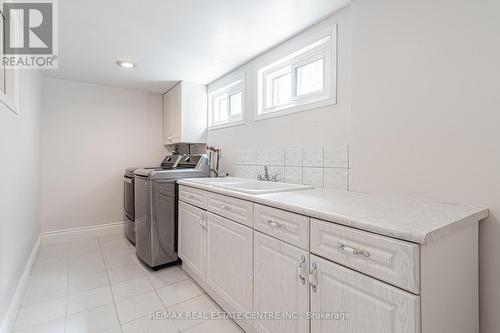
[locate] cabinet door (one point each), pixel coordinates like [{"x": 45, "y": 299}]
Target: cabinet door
[
  {"x": 280, "y": 274},
  {"x": 176, "y": 113},
  {"x": 192, "y": 238},
  {"x": 166, "y": 132},
  {"x": 230, "y": 261},
  {"x": 372, "y": 306},
  {"x": 168, "y": 120}
]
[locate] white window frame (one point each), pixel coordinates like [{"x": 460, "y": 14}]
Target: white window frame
[
  {"x": 9, "y": 95},
  {"x": 232, "y": 87},
  {"x": 320, "y": 46}
]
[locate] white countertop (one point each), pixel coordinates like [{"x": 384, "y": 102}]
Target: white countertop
[{"x": 414, "y": 220}]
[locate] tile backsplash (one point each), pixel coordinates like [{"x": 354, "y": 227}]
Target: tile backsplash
[{"x": 320, "y": 166}]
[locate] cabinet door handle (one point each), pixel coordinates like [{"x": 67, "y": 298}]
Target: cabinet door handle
[
  {"x": 187, "y": 195},
  {"x": 352, "y": 250},
  {"x": 202, "y": 222},
  {"x": 224, "y": 207},
  {"x": 300, "y": 269},
  {"x": 276, "y": 225},
  {"x": 313, "y": 281}
]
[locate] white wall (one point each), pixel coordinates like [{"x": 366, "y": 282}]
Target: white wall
[
  {"x": 20, "y": 186},
  {"x": 426, "y": 112},
  {"x": 326, "y": 125},
  {"x": 90, "y": 134}
]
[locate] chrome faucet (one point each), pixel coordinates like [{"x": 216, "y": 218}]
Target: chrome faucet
[{"x": 267, "y": 177}]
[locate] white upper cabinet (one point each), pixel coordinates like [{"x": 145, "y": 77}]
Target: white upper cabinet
[{"x": 185, "y": 114}]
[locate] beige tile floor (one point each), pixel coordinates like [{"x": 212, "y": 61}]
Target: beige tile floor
[{"x": 98, "y": 285}]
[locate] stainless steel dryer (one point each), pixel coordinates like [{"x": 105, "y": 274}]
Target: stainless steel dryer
[
  {"x": 129, "y": 194},
  {"x": 156, "y": 207}
]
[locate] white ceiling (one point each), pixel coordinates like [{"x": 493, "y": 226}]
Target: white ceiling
[{"x": 172, "y": 40}]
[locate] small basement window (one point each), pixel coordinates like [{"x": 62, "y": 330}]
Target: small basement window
[
  {"x": 226, "y": 105},
  {"x": 302, "y": 80}
]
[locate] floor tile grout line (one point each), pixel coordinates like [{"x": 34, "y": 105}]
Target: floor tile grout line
[
  {"x": 67, "y": 292},
  {"x": 37, "y": 324},
  {"x": 179, "y": 281},
  {"x": 90, "y": 309},
  {"x": 187, "y": 329},
  {"x": 111, "y": 290},
  {"x": 132, "y": 320},
  {"x": 24, "y": 295},
  {"x": 154, "y": 289},
  {"x": 184, "y": 301},
  {"x": 128, "y": 279},
  {"x": 66, "y": 296},
  {"x": 202, "y": 293},
  {"x": 166, "y": 285},
  {"x": 163, "y": 303}
]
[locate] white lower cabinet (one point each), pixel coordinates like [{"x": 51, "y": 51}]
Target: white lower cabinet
[
  {"x": 373, "y": 306},
  {"x": 192, "y": 237},
  {"x": 229, "y": 261},
  {"x": 340, "y": 279},
  {"x": 280, "y": 285}
]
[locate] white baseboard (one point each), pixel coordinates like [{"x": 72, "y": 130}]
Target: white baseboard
[
  {"x": 15, "y": 303},
  {"x": 68, "y": 235}
]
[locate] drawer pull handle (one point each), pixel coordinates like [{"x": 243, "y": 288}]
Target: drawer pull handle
[
  {"x": 313, "y": 281},
  {"x": 276, "y": 225},
  {"x": 224, "y": 207},
  {"x": 300, "y": 269},
  {"x": 353, "y": 250},
  {"x": 188, "y": 195}
]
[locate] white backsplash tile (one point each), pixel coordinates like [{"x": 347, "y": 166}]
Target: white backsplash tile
[
  {"x": 262, "y": 157},
  {"x": 336, "y": 178},
  {"x": 293, "y": 157},
  {"x": 312, "y": 156},
  {"x": 277, "y": 156},
  {"x": 293, "y": 175},
  {"x": 312, "y": 176},
  {"x": 336, "y": 157},
  {"x": 245, "y": 156},
  {"x": 311, "y": 165},
  {"x": 245, "y": 171}
]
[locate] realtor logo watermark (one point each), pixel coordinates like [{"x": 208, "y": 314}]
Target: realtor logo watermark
[{"x": 30, "y": 34}]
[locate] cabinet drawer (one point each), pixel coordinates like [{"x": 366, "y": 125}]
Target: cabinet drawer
[
  {"x": 289, "y": 227},
  {"x": 394, "y": 261},
  {"x": 234, "y": 209},
  {"x": 192, "y": 196}
]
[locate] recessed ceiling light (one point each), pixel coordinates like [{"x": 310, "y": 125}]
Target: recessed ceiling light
[{"x": 125, "y": 64}]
